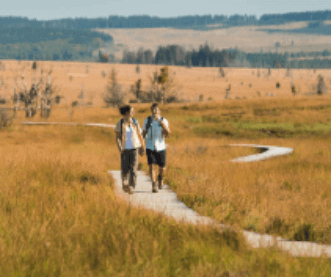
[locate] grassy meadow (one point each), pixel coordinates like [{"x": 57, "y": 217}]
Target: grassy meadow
[
  {"x": 60, "y": 216},
  {"x": 69, "y": 78}
]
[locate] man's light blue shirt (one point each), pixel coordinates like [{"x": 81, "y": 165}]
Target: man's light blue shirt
[{"x": 155, "y": 139}]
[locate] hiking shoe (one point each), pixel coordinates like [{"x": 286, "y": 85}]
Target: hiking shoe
[
  {"x": 154, "y": 187},
  {"x": 160, "y": 183},
  {"x": 130, "y": 190},
  {"x": 125, "y": 188}
]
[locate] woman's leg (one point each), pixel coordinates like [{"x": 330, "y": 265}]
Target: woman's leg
[
  {"x": 133, "y": 167},
  {"x": 124, "y": 169}
]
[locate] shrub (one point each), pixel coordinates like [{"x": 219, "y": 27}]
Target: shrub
[
  {"x": 5, "y": 119},
  {"x": 321, "y": 86},
  {"x": 34, "y": 65},
  {"x": 103, "y": 58},
  {"x": 114, "y": 95},
  {"x": 222, "y": 72},
  {"x": 305, "y": 232}
]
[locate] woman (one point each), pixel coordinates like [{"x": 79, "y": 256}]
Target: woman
[{"x": 129, "y": 141}]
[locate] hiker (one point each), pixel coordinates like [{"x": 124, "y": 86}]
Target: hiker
[
  {"x": 155, "y": 129},
  {"x": 130, "y": 143}
]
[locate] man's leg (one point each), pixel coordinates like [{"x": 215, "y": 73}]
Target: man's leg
[
  {"x": 160, "y": 177},
  {"x": 152, "y": 172},
  {"x": 152, "y": 164},
  {"x": 152, "y": 175},
  {"x": 161, "y": 161}
]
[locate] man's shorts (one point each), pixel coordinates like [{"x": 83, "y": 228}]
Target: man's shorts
[{"x": 154, "y": 157}]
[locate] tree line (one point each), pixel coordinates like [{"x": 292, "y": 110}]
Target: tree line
[
  {"x": 207, "y": 57},
  {"x": 49, "y": 44},
  {"x": 145, "y": 21},
  {"x": 296, "y": 16}
]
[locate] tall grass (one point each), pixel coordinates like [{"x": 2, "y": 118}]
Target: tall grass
[
  {"x": 60, "y": 217},
  {"x": 286, "y": 196}
]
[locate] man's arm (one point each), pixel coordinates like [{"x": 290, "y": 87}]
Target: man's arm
[
  {"x": 144, "y": 129},
  {"x": 165, "y": 127}
]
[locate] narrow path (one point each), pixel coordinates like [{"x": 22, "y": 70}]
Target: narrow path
[{"x": 166, "y": 202}]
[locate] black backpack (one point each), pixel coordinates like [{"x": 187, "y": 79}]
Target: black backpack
[{"x": 149, "y": 122}]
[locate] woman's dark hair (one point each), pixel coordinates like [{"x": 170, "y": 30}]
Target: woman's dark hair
[
  {"x": 155, "y": 105},
  {"x": 125, "y": 109}
]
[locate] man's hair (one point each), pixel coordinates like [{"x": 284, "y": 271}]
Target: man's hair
[
  {"x": 125, "y": 109},
  {"x": 155, "y": 105}
]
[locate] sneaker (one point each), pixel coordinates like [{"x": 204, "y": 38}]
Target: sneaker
[
  {"x": 154, "y": 187},
  {"x": 125, "y": 188}
]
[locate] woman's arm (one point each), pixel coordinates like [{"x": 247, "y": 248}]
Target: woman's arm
[
  {"x": 140, "y": 136},
  {"x": 119, "y": 141}
]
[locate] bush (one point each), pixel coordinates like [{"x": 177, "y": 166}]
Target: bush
[
  {"x": 321, "y": 86},
  {"x": 114, "y": 95},
  {"x": 5, "y": 119},
  {"x": 305, "y": 232}
]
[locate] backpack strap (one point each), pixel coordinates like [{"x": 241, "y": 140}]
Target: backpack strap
[
  {"x": 134, "y": 121},
  {"x": 149, "y": 122},
  {"x": 122, "y": 120},
  {"x": 148, "y": 125}
]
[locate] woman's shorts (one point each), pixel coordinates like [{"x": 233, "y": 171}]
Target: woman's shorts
[{"x": 154, "y": 157}]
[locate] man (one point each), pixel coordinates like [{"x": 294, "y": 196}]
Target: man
[
  {"x": 155, "y": 129},
  {"x": 129, "y": 141}
]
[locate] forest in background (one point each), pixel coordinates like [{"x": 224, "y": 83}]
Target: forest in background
[
  {"x": 72, "y": 39},
  {"x": 34, "y": 43},
  {"x": 208, "y": 57},
  {"x": 145, "y": 21}
]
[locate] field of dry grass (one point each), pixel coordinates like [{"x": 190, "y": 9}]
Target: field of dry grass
[
  {"x": 60, "y": 217},
  {"x": 287, "y": 196},
  {"x": 245, "y": 38},
  {"x": 69, "y": 79}
]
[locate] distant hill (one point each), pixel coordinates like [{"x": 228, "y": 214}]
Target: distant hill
[{"x": 50, "y": 44}]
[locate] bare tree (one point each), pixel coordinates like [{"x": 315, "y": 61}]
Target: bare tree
[{"x": 114, "y": 95}]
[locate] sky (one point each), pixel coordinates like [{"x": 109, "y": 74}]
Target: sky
[{"x": 47, "y": 10}]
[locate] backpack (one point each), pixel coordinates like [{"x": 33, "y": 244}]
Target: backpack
[
  {"x": 135, "y": 122},
  {"x": 149, "y": 122}
]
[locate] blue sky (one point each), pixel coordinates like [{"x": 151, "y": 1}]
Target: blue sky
[{"x": 46, "y": 10}]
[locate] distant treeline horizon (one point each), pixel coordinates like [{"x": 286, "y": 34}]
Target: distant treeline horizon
[
  {"x": 208, "y": 57},
  {"x": 145, "y": 21}
]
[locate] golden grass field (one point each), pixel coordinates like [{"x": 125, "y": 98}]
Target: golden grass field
[
  {"x": 245, "y": 38},
  {"x": 60, "y": 217},
  {"x": 189, "y": 83}
]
